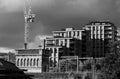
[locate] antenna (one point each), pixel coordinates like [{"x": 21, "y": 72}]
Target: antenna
[{"x": 29, "y": 18}]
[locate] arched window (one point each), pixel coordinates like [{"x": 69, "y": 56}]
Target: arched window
[
  {"x": 21, "y": 62},
  {"x": 18, "y": 61},
  {"x": 37, "y": 62},
  {"x": 28, "y": 62},
  {"x": 31, "y": 62},
  {"x": 34, "y": 62},
  {"x": 24, "y": 62}
]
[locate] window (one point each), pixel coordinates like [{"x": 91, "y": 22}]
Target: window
[
  {"x": 74, "y": 33},
  {"x": 110, "y": 28},
  {"x": 55, "y": 49},
  {"x": 110, "y": 32},
  {"x": 61, "y": 43},
  {"x": 62, "y": 34},
  {"x": 109, "y": 36},
  {"x": 69, "y": 34},
  {"x": 24, "y": 61},
  {"x": 21, "y": 62},
  {"x": 65, "y": 34},
  {"x": 27, "y": 62},
  {"x": 65, "y": 42},
  {"x": 34, "y": 62},
  {"x": 18, "y": 62},
  {"x": 51, "y": 50},
  {"x": 78, "y": 33},
  {"x": 37, "y": 62},
  {"x": 31, "y": 62},
  {"x": 57, "y": 42},
  {"x": 93, "y": 28}
]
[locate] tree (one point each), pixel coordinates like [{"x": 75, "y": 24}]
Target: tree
[{"x": 110, "y": 65}]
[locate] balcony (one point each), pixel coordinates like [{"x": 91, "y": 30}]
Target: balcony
[
  {"x": 50, "y": 45},
  {"x": 58, "y": 36}
]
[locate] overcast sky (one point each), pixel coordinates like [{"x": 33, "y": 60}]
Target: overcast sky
[{"x": 52, "y": 15}]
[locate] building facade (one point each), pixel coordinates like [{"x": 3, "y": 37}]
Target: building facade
[
  {"x": 101, "y": 34},
  {"x": 93, "y": 40},
  {"x": 65, "y": 42},
  {"x": 33, "y": 60}
]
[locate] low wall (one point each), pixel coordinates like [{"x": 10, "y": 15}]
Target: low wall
[{"x": 61, "y": 75}]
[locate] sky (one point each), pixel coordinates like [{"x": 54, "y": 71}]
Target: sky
[{"x": 51, "y": 15}]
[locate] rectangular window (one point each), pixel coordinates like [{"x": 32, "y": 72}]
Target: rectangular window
[
  {"x": 69, "y": 34},
  {"x": 74, "y": 33},
  {"x": 78, "y": 33}
]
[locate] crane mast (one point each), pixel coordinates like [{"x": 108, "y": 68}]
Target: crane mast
[{"x": 29, "y": 18}]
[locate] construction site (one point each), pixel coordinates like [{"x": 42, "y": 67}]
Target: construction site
[{"x": 68, "y": 54}]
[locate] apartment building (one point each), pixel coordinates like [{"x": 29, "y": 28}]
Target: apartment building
[
  {"x": 65, "y": 42},
  {"x": 101, "y": 35}
]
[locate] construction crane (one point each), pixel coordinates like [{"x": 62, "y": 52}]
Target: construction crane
[{"x": 29, "y": 18}]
